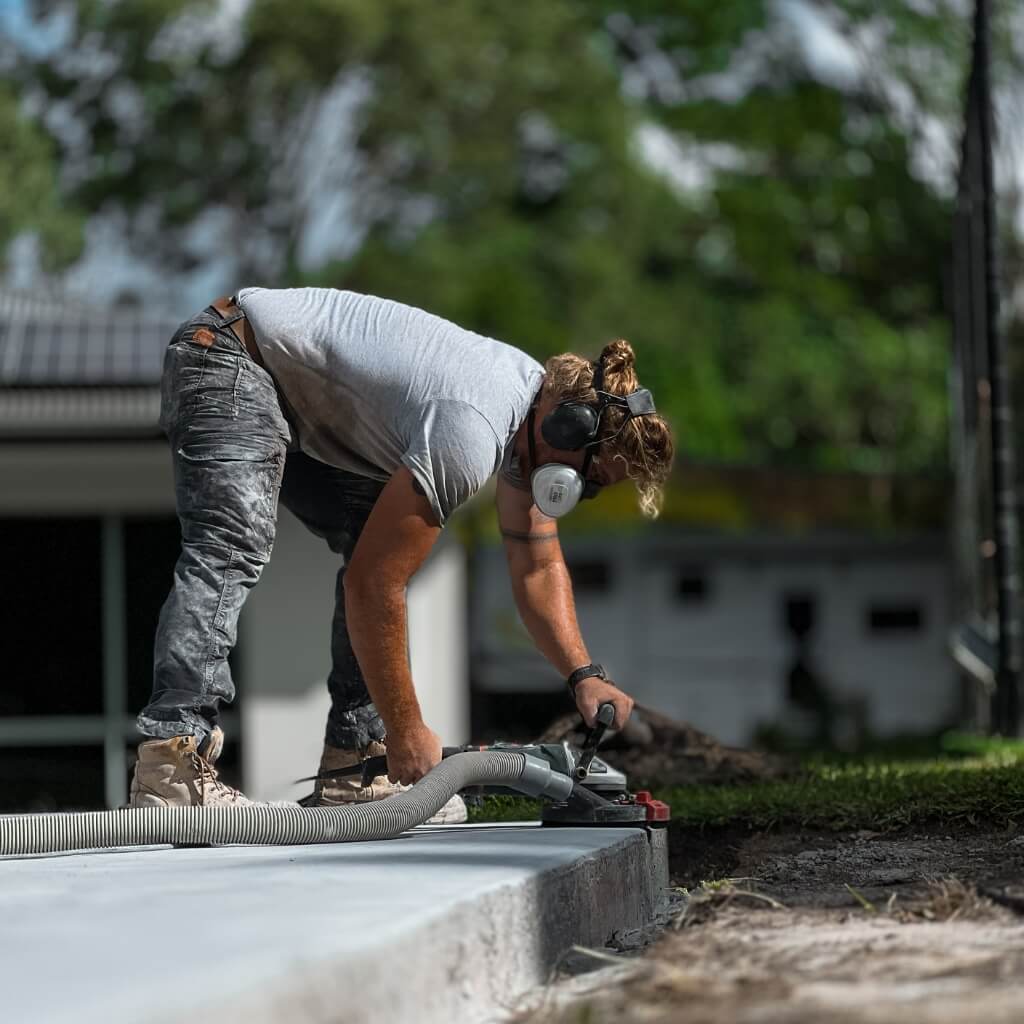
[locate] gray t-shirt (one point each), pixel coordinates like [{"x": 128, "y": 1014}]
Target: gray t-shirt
[{"x": 374, "y": 384}]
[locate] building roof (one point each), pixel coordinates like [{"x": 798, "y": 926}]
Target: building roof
[
  {"x": 67, "y": 343},
  {"x": 78, "y": 412},
  {"x": 68, "y": 368}
]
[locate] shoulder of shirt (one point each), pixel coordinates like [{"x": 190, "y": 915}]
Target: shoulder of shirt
[{"x": 461, "y": 403}]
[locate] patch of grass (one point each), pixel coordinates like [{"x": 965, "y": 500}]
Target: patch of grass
[
  {"x": 877, "y": 795},
  {"x": 872, "y": 794},
  {"x": 966, "y": 744},
  {"x": 901, "y": 747},
  {"x": 503, "y": 808}
]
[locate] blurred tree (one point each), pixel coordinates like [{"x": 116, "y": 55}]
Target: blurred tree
[
  {"x": 825, "y": 245},
  {"x": 29, "y": 197},
  {"x": 555, "y": 172}
]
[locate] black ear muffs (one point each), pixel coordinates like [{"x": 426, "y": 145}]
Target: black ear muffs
[
  {"x": 570, "y": 426},
  {"x": 575, "y": 425}
]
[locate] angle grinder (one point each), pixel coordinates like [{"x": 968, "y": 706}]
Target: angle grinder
[{"x": 600, "y": 795}]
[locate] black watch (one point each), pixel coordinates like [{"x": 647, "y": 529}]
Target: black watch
[{"x": 586, "y": 672}]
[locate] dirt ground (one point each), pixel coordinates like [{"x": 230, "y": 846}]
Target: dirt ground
[{"x": 919, "y": 928}]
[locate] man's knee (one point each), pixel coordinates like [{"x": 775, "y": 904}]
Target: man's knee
[{"x": 230, "y": 503}]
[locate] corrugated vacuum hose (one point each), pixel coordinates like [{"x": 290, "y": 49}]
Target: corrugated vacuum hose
[{"x": 280, "y": 825}]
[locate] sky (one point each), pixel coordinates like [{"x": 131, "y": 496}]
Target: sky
[{"x": 36, "y": 37}]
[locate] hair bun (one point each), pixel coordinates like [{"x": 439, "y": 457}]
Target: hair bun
[{"x": 618, "y": 356}]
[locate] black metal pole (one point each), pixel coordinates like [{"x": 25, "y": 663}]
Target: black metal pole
[{"x": 1006, "y": 710}]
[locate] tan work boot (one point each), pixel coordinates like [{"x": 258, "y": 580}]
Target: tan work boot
[
  {"x": 172, "y": 773},
  {"x": 350, "y": 789}
]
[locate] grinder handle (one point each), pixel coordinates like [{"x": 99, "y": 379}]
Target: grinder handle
[{"x": 604, "y": 717}]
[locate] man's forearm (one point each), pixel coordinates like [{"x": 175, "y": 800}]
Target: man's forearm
[
  {"x": 544, "y": 598},
  {"x": 378, "y": 628}
]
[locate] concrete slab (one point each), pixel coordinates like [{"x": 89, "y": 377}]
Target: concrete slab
[{"x": 438, "y": 925}]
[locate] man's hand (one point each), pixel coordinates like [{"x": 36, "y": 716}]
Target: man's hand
[
  {"x": 593, "y": 692},
  {"x": 412, "y": 753}
]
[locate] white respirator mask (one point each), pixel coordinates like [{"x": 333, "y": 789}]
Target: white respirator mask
[{"x": 556, "y": 488}]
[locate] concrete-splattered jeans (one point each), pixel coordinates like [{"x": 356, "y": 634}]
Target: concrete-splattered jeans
[{"x": 229, "y": 440}]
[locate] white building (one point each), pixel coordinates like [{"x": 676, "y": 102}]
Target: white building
[
  {"x": 88, "y": 540},
  {"x": 701, "y": 627}
]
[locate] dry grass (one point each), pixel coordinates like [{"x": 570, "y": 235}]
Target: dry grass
[
  {"x": 943, "y": 899},
  {"x": 942, "y": 954},
  {"x": 711, "y": 898},
  {"x": 946, "y": 899}
]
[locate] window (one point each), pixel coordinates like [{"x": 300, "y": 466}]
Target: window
[
  {"x": 51, "y": 778},
  {"x": 895, "y": 618},
  {"x": 78, "y": 613},
  {"x": 590, "y": 577},
  {"x": 50, "y": 617},
  {"x": 691, "y": 585},
  {"x": 799, "y": 613}
]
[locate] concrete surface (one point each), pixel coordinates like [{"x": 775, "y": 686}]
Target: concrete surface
[{"x": 440, "y": 925}]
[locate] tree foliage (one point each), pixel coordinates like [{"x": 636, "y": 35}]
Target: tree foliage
[
  {"x": 778, "y": 267},
  {"x": 30, "y": 199}
]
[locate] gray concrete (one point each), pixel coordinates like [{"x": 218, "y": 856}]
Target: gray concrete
[{"x": 443, "y": 925}]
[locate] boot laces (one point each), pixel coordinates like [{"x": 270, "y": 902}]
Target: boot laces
[{"x": 207, "y": 776}]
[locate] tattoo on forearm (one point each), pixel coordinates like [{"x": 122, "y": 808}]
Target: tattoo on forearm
[{"x": 533, "y": 537}]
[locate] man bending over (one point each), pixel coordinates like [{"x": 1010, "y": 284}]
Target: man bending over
[{"x": 372, "y": 421}]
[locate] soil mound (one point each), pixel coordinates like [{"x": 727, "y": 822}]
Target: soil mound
[{"x": 655, "y": 750}]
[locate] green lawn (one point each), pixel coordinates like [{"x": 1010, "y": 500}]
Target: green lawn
[{"x": 975, "y": 783}]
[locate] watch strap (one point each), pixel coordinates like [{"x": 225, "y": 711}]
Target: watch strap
[{"x": 590, "y": 671}]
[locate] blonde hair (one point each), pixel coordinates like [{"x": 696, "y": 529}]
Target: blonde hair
[{"x": 645, "y": 443}]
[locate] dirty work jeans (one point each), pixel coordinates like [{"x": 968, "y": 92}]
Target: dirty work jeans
[{"x": 229, "y": 441}]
